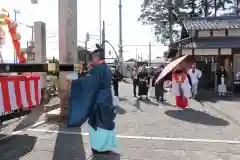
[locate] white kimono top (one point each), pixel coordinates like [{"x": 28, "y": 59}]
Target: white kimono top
[{"x": 181, "y": 79}]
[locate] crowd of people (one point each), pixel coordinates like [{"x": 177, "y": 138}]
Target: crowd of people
[{"x": 144, "y": 80}]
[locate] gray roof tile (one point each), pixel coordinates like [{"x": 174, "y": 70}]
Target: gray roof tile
[
  {"x": 228, "y": 42},
  {"x": 214, "y": 23}
]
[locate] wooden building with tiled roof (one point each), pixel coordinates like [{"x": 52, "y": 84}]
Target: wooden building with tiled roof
[{"x": 212, "y": 41}]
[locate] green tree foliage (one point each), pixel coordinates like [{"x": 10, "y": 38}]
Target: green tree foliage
[{"x": 155, "y": 13}]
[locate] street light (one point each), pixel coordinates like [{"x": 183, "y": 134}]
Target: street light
[
  {"x": 100, "y": 20},
  {"x": 34, "y": 1},
  {"x": 87, "y": 38},
  {"x": 120, "y": 31}
]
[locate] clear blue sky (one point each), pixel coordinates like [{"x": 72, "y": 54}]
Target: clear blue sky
[{"x": 88, "y": 21}]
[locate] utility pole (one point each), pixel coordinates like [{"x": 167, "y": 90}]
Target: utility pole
[
  {"x": 149, "y": 54},
  {"x": 85, "y": 48},
  {"x": 103, "y": 38},
  {"x": 120, "y": 32},
  {"x": 136, "y": 54},
  {"x": 100, "y": 20},
  {"x": 170, "y": 7},
  {"x": 32, "y": 37},
  {"x": 15, "y": 19}
]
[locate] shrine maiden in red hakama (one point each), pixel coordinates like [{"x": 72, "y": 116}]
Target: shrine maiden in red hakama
[{"x": 181, "y": 88}]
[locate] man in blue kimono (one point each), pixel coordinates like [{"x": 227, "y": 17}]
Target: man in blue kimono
[{"x": 91, "y": 98}]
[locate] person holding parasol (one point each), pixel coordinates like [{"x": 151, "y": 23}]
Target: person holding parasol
[{"x": 181, "y": 82}]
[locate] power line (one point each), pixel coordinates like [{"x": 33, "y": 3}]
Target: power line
[
  {"x": 31, "y": 26},
  {"x": 144, "y": 45},
  {"x": 58, "y": 41},
  {"x": 135, "y": 45},
  {"x": 127, "y": 45},
  {"x": 141, "y": 45}
]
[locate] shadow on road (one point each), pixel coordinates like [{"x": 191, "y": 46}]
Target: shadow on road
[
  {"x": 122, "y": 99},
  {"x": 166, "y": 103},
  {"x": 149, "y": 102},
  {"x": 193, "y": 116},
  {"x": 235, "y": 98},
  {"x": 110, "y": 156},
  {"x": 31, "y": 118},
  {"x": 16, "y": 146},
  {"x": 68, "y": 146},
  {"x": 137, "y": 104},
  {"x": 211, "y": 96},
  {"x": 14, "y": 117},
  {"x": 120, "y": 110},
  {"x": 206, "y": 96}
]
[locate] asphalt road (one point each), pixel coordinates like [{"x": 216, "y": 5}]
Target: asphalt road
[{"x": 146, "y": 131}]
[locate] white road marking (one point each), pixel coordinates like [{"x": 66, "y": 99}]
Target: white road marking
[
  {"x": 38, "y": 124},
  {"x": 143, "y": 137},
  {"x": 11, "y": 134},
  {"x": 20, "y": 131}
]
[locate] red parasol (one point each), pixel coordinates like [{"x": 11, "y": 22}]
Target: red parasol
[{"x": 170, "y": 67}]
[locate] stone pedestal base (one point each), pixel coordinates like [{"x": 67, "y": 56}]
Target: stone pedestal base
[{"x": 64, "y": 99}]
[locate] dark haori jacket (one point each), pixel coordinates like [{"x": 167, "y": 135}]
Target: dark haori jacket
[
  {"x": 221, "y": 73},
  {"x": 143, "y": 83},
  {"x": 117, "y": 76},
  {"x": 143, "y": 77},
  {"x": 161, "y": 82},
  {"x": 91, "y": 99},
  {"x": 155, "y": 76}
]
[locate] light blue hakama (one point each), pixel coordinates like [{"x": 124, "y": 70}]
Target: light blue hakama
[{"x": 102, "y": 140}]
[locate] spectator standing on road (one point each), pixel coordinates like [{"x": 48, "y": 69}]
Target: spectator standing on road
[
  {"x": 222, "y": 78},
  {"x": 135, "y": 79},
  {"x": 115, "y": 81},
  {"x": 159, "y": 89},
  {"x": 151, "y": 76},
  {"x": 143, "y": 83},
  {"x": 195, "y": 75}
]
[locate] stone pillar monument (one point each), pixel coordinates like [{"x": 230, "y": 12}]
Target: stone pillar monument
[
  {"x": 67, "y": 41},
  {"x": 40, "y": 48}
]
